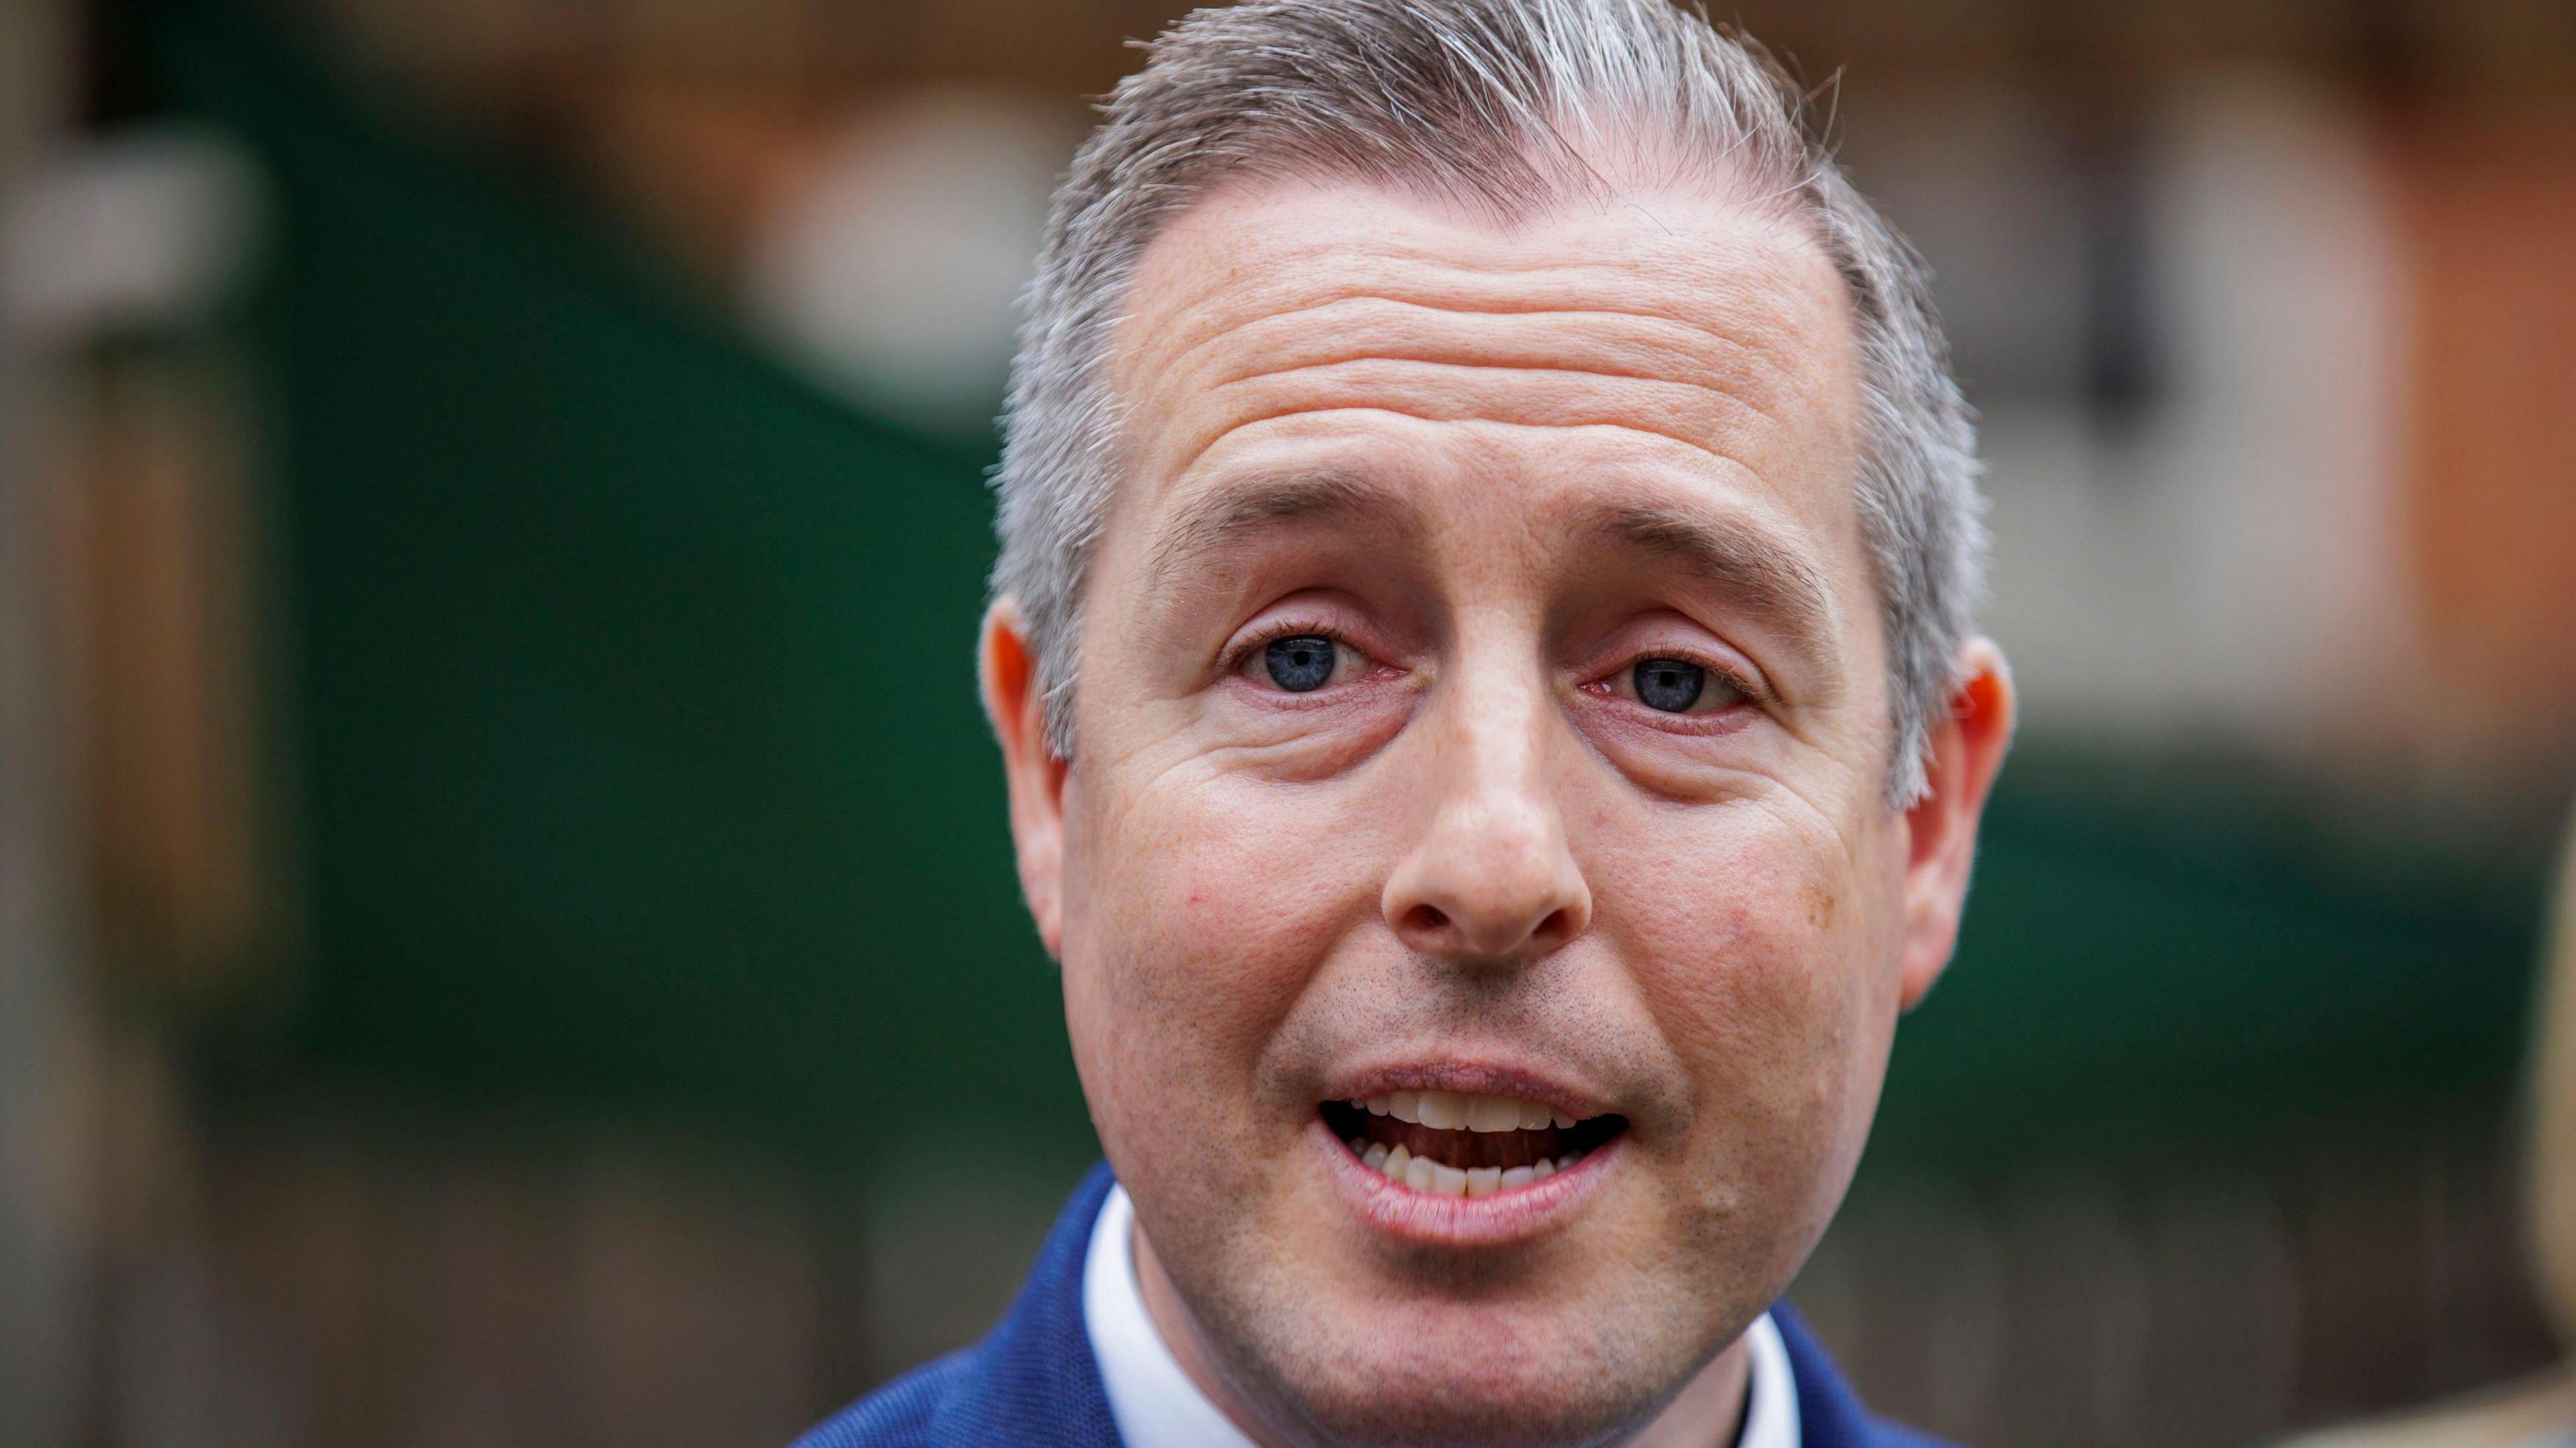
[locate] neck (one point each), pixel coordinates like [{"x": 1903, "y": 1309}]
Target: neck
[{"x": 1707, "y": 1413}]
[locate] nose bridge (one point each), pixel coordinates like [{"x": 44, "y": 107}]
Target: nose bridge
[
  {"x": 1493, "y": 874},
  {"x": 1495, "y": 785}
]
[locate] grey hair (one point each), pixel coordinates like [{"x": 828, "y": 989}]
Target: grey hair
[{"x": 1496, "y": 104}]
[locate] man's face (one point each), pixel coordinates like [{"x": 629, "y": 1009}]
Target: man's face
[{"x": 1482, "y": 695}]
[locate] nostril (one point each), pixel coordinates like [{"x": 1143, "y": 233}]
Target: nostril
[{"x": 1424, "y": 920}]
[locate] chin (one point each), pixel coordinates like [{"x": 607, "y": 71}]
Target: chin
[
  {"x": 1458, "y": 1424},
  {"x": 1472, "y": 1373}
]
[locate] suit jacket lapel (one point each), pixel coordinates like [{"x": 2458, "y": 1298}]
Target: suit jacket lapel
[{"x": 1829, "y": 1414}]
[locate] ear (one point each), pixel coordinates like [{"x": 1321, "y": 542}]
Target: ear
[
  {"x": 1015, "y": 700},
  {"x": 1961, "y": 754}
]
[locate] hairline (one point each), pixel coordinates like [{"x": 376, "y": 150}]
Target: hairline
[{"x": 1168, "y": 143}]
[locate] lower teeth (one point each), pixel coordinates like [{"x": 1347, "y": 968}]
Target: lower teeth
[{"x": 1425, "y": 1175}]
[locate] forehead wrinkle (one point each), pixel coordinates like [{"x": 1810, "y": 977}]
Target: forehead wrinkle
[
  {"x": 1566, "y": 370},
  {"x": 1697, "y": 445},
  {"x": 1610, "y": 290},
  {"x": 1766, "y": 350},
  {"x": 1771, "y": 335},
  {"x": 1230, "y": 251}
]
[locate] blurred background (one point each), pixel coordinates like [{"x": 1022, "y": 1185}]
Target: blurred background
[{"x": 506, "y": 931}]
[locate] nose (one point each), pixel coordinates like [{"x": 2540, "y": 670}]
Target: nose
[{"x": 1493, "y": 878}]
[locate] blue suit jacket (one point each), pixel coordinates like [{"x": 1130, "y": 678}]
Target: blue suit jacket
[{"x": 1035, "y": 1382}]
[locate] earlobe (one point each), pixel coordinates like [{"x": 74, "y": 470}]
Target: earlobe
[
  {"x": 1964, "y": 751},
  {"x": 1015, "y": 702}
]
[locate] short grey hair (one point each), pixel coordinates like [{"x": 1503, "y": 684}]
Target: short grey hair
[{"x": 1493, "y": 103}]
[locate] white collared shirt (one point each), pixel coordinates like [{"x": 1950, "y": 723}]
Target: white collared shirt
[{"x": 1157, "y": 1406}]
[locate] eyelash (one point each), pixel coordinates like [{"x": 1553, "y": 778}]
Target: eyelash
[
  {"x": 1241, "y": 655},
  {"x": 1734, "y": 678},
  {"x": 1249, "y": 649}
]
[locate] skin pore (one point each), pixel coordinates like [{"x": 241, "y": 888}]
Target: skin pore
[{"x": 1490, "y": 498}]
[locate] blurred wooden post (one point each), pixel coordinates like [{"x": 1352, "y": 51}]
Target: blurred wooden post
[
  {"x": 42, "y": 1294},
  {"x": 134, "y": 868}
]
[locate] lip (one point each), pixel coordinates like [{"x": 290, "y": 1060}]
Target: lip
[
  {"x": 1470, "y": 1078},
  {"x": 1425, "y": 1219}
]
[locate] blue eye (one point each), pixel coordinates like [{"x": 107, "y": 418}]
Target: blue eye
[
  {"x": 1672, "y": 685},
  {"x": 1301, "y": 664}
]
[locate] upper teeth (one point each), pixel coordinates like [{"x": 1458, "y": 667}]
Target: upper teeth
[{"x": 1461, "y": 1111}]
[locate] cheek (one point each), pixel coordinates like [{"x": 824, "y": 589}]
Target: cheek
[
  {"x": 1198, "y": 914},
  {"x": 1770, "y": 967}
]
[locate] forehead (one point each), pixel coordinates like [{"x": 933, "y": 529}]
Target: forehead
[{"x": 1664, "y": 335}]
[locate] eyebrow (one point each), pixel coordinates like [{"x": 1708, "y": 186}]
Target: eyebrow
[
  {"x": 1741, "y": 560},
  {"x": 1224, "y": 515},
  {"x": 1744, "y": 562}
]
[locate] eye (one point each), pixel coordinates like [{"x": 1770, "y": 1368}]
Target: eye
[
  {"x": 1301, "y": 663},
  {"x": 1671, "y": 685}
]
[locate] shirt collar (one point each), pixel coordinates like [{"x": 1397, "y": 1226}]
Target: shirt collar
[{"x": 1157, "y": 1406}]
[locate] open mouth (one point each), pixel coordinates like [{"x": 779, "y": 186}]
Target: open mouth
[{"x": 1454, "y": 1144}]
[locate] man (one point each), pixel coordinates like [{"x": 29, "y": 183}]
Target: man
[{"x": 1495, "y": 740}]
